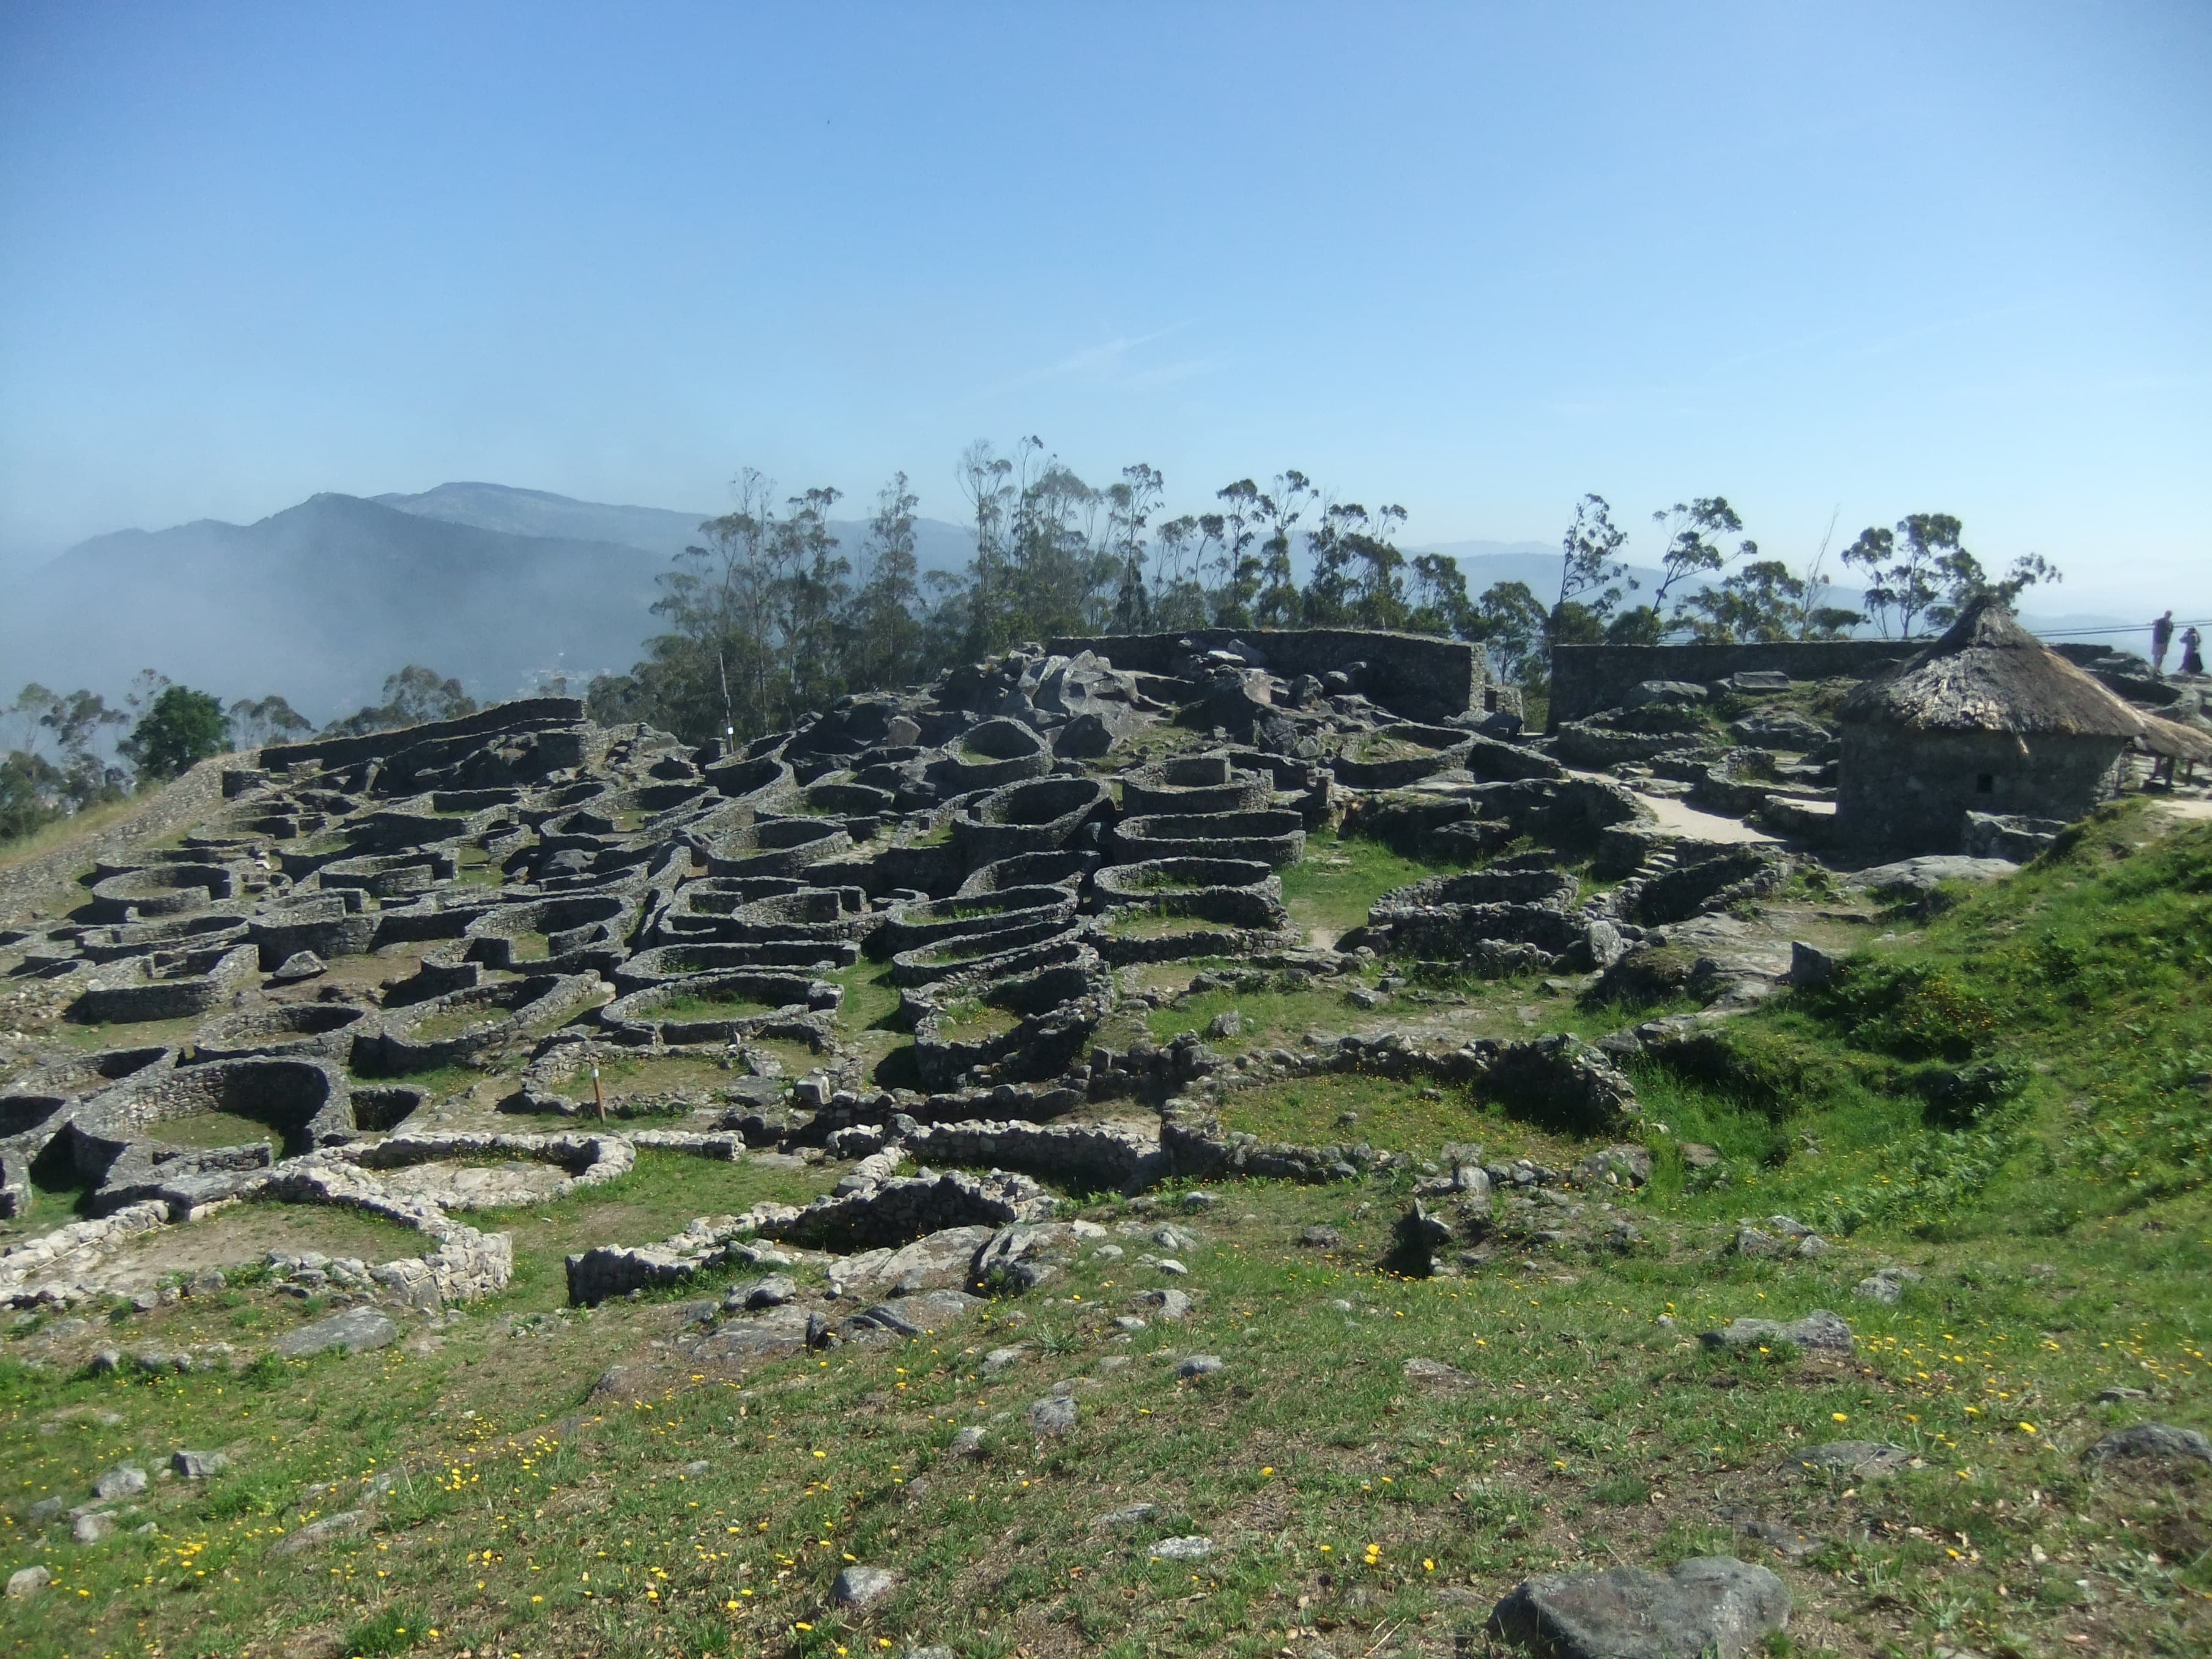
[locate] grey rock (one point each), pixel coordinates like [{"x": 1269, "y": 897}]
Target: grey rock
[
  {"x": 300, "y": 964},
  {"x": 1320, "y": 1238},
  {"x": 862, "y": 1586},
  {"x": 1679, "y": 694},
  {"x": 47, "y": 1509},
  {"x": 124, "y": 1481},
  {"x": 1164, "y": 1303},
  {"x": 1711, "y": 1605},
  {"x": 1885, "y": 1285},
  {"x": 1053, "y": 1414},
  {"x": 1862, "y": 1459},
  {"x": 91, "y": 1528},
  {"x": 199, "y": 1465},
  {"x": 2157, "y": 1441},
  {"x": 317, "y": 1532},
  {"x": 1227, "y": 1023},
  {"x": 1200, "y": 1364},
  {"x": 1918, "y": 878},
  {"x": 1819, "y": 1331},
  {"x": 969, "y": 1443},
  {"x": 774, "y": 1291},
  {"x": 1128, "y": 1515},
  {"x": 107, "y": 1360},
  {"x": 1755, "y": 1242},
  {"x": 1811, "y": 965},
  {"x": 1625, "y": 1165},
  {"x": 2120, "y": 1396},
  {"x": 1196, "y": 1547},
  {"x": 27, "y": 1580},
  {"x": 999, "y": 1358},
  {"x": 354, "y": 1330}
]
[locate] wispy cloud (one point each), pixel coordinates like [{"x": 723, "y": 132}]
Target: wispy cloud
[{"x": 1109, "y": 362}]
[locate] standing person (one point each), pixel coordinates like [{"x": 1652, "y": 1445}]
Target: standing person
[
  {"x": 2161, "y": 636},
  {"x": 2192, "y": 651}
]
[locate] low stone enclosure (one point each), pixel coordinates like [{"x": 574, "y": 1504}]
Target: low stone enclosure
[
  {"x": 1981, "y": 741},
  {"x": 287, "y": 1007}
]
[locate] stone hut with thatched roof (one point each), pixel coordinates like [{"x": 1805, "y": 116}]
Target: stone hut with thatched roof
[{"x": 1986, "y": 720}]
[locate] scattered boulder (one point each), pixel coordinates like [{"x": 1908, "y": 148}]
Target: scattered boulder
[
  {"x": 91, "y": 1528},
  {"x": 1885, "y": 1285},
  {"x": 1128, "y": 1516},
  {"x": 355, "y": 1330},
  {"x": 124, "y": 1481},
  {"x": 2153, "y": 1442},
  {"x": 1861, "y": 1460},
  {"x": 27, "y": 1580},
  {"x": 199, "y": 1465},
  {"x": 1711, "y": 1605},
  {"x": 1199, "y": 1364},
  {"x": 1053, "y": 1414},
  {"x": 1819, "y": 1331},
  {"x": 1162, "y": 1304},
  {"x": 1196, "y": 1547},
  {"x": 859, "y": 1587}
]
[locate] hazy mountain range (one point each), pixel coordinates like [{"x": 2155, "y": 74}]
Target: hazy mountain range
[{"x": 501, "y": 587}]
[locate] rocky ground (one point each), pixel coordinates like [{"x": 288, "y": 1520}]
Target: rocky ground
[{"x": 1071, "y": 1160}]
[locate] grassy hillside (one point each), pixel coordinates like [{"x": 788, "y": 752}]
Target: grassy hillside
[{"x": 2010, "y": 1099}]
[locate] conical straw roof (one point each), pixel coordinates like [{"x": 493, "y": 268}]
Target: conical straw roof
[{"x": 1987, "y": 673}]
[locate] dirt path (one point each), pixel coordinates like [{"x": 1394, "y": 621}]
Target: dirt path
[{"x": 43, "y": 884}]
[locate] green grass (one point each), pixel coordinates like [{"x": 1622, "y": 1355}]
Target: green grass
[
  {"x": 1332, "y": 888},
  {"x": 211, "y": 1129},
  {"x": 128, "y": 1033},
  {"x": 1389, "y": 1115},
  {"x": 870, "y": 1000},
  {"x": 710, "y": 1005},
  {"x": 628, "y": 1075},
  {"x": 966, "y": 1020},
  {"x": 1949, "y": 1069},
  {"x": 529, "y": 946},
  {"x": 662, "y": 1195},
  {"x": 1590, "y": 1435},
  {"x": 452, "y": 1022},
  {"x": 2057, "y": 1209},
  {"x": 1141, "y": 921},
  {"x": 51, "y": 837}
]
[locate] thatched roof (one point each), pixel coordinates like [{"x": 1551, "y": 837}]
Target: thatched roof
[
  {"x": 1989, "y": 674},
  {"x": 2174, "y": 740}
]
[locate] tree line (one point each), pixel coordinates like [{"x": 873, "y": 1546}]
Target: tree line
[
  {"x": 74, "y": 749},
  {"x": 767, "y": 616}
]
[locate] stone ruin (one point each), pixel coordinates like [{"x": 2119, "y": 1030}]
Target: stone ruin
[{"x": 1010, "y": 840}]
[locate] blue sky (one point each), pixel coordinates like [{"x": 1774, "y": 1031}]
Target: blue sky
[{"x": 1477, "y": 260}]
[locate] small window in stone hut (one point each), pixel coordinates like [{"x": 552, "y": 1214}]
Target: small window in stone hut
[{"x": 1985, "y": 783}]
